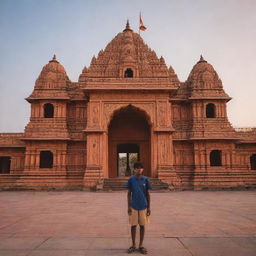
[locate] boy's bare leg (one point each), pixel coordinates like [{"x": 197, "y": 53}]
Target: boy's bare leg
[
  {"x": 133, "y": 233},
  {"x": 142, "y": 232}
]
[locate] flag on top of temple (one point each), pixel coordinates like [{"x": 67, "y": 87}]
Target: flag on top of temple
[{"x": 142, "y": 27}]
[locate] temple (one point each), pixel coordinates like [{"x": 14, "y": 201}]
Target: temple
[{"x": 128, "y": 106}]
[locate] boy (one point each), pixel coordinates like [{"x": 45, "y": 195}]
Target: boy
[{"x": 138, "y": 205}]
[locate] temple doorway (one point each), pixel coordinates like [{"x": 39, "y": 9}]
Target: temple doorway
[
  {"x": 128, "y": 142},
  {"x": 128, "y": 154}
]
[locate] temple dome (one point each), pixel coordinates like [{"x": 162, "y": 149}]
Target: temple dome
[
  {"x": 52, "y": 82},
  {"x": 53, "y": 75},
  {"x": 203, "y": 75},
  {"x": 126, "y": 51}
]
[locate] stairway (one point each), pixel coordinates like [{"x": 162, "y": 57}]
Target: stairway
[{"x": 117, "y": 184}]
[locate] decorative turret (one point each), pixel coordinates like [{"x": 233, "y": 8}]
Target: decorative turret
[
  {"x": 52, "y": 82},
  {"x": 204, "y": 81},
  {"x": 208, "y": 103},
  {"x": 49, "y": 104}
]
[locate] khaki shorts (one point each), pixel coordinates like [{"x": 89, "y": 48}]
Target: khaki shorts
[{"x": 138, "y": 217}]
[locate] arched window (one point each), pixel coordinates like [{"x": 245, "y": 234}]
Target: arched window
[
  {"x": 210, "y": 110},
  {"x": 46, "y": 159},
  {"x": 253, "y": 162},
  {"x": 48, "y": 110},
  {"x": 215, "y": 158},
  {"x": 128, "y": 72}
]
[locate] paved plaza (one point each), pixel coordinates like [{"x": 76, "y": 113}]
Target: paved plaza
[{"x": 76, "y": 223}]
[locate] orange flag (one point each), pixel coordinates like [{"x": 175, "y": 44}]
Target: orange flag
[{"x": 142, "y": 27}]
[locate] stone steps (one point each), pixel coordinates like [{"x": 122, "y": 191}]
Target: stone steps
[{"x": 189, "y": 181}]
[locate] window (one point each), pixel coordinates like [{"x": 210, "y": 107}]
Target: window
[
  {"x": 128, "y": 72},
  {"x": 253, "y": 162},
  {"x": 210, "y": 110},
  {"x": 46, "y": 159},
  {"x": 48, "y": 110},
  {"x": 5, "y": 164},
  {"x": 215, "y": 158}
]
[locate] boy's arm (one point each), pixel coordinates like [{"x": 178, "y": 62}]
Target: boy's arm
[
  {"x": 148, "y": 200},
  {"x": 129, "y": 201}
]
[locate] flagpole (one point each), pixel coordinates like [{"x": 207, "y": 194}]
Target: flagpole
[
  {"x": 139, "y": 40},
  {"x": 139, "y": 23}
]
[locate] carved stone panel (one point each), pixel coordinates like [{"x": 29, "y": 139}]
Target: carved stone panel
[{"x": 94, "y": 114}]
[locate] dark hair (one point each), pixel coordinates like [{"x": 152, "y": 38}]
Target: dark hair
[{"x": 138, "y": 165}]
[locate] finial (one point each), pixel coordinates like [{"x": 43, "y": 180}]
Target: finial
[
  {"x": 54, "y": 59},
  {"x": 201, "y": 59},
  {"x": 127, "y": 27}
]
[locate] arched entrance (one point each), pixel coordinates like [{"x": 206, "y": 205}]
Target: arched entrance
[{"x": 128, "y": 141}]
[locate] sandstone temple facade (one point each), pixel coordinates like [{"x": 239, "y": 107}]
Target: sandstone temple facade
[{"x": 128, "y": 102}]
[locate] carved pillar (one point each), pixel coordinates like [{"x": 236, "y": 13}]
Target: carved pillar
[
  {"x": 96, "y": 145},
  {"x": 95, "y": 161},
  {"x": 164, "y": 144}
]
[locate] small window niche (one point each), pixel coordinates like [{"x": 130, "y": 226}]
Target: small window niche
[
  {"x": 210, "y": 110},
  {"x": 48, "y": 110},
  {"x": 46, "y": 159},
  {"x": 215, "y": 158},
  {"x": 253, "y": 162},
  {"x": 128, "y": 73},
  {"x": 5, "y": 164}
]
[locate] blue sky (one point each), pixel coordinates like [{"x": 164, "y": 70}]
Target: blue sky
[{"x": 224, "y": 31}]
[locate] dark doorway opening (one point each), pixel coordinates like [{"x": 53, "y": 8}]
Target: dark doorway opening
[
  {"x": 5, "y": 164},
  {"x": 128, "y": 140},
  {"x": 215, "y": 158},
  {"x": 46, "y": 159},
  {"x": 253, "y": 162},
  {"x": 210, "y": 110},
  {"x": 128, "y": 72},
  {"x": 48, "y": 110},
  {"x": 127, "y": 155}
]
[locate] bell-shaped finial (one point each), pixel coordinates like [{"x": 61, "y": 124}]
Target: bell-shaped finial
[
  {"x": 127, "y": 27},
  {"x": 201, "y": 59},
  {"x": 54, "y": 59}
]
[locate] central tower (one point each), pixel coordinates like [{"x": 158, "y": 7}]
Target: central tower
[{"x": 127, "y": 85}]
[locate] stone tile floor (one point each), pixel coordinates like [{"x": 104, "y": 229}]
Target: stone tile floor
[{"x": 76, "y": 223}]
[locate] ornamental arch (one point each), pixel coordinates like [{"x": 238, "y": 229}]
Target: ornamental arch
[{"x": 129, "y": 140}]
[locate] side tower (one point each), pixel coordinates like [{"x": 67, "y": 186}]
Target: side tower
[
  {"x": 203, "y": 132},
  {"x": 46, "y": 136},
  {"x": 211, "y": 132}
]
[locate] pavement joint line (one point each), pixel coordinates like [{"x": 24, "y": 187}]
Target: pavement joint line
[
  {"x": 17, "y": 221},
  {"x": 185, "y": 247},
  {"x": 41, "y": 243},
  {"x": 7, "y": 225}
]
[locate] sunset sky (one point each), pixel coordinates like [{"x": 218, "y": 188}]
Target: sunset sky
[{"x": 223, "y": 31}]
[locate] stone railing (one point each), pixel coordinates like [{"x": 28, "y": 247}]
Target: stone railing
[
  {"x": 246, "y": 133},
  {"x": 11, "y": 139}
]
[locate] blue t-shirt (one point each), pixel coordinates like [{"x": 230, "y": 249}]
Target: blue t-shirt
[{"x": 139, "y": 188}]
